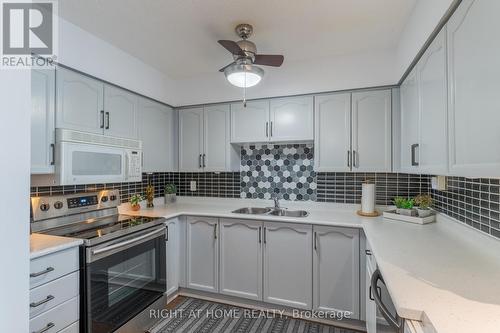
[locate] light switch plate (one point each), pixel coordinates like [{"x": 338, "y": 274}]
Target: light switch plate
[{"x": 192, "y": 186}]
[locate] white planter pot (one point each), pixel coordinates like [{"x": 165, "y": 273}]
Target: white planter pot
[
  {"x": 424, "y": 212},
  {"x": 170, "y": 198},
  {"x": 407, "y": 212}
]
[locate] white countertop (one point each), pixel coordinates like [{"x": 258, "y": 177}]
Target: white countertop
[
  {"x": 41, "y": 245},
  {"x": 443, "y": 273}
]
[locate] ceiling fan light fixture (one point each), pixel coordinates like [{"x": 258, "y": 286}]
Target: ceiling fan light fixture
[{"x": 243, "y": 75}]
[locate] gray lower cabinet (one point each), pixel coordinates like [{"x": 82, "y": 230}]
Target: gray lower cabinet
[
  {"x": 202, "y": 255},
  {"x": 241, "y": 258},
  {"x": 288, "y": 264},
  {"x": 336, "y": 270},
  {"x": 174, "y": 245}
]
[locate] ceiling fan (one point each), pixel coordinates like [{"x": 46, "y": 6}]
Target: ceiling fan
[{"x": 243, "y": 72}]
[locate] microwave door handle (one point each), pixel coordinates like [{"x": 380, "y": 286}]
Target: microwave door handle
[{"x": 394, "y": 321}]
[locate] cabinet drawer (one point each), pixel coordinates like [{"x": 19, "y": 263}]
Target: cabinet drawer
[
  {"x": 53, "y": 266},
  {"x": 73, "y": 328},
  {"x": 56, "y": 318},
  {"x": 48, "y": 295}
]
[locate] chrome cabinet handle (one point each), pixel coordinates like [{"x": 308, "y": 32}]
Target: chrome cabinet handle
[
  {"x": 271, "y": 128},
  {"x": 348, "y": 158},
  {"x": 413, "y": 154},
  {"x": 46, "y": 328},
  {"x": 53, "y": 149},
  {"x": 260, "y": 235},
  {"x": 267, "y": 129},
  {"x": 204, "y": 164},
  {"x": 199, "y": 162},
  {"x": 315, "y": 241},
  {"x": 265, "y": 237},
  {"x": 215, "y": 231},
  {"x": 368, "y": 252},
  {"x": 107, "y": 120},
  {"x": 45, "y": 271},
  {"x": 102, "y": 119},
  {"x": 354, "y": 162},
  {"x": 166, "y": 234},
  {"x": 43, "y": 301}
]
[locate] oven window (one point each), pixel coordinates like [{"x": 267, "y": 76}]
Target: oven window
[
  {"x": 86, "y": 163},
  {"x": 124, "y": 283}
]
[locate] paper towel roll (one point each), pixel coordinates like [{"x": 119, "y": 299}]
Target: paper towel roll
[{"x": 368, "y": 198}]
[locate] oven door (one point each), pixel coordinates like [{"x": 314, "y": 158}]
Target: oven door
[
  {"x": 123, "y": 277},
  {"x": 80, "y": 163}
]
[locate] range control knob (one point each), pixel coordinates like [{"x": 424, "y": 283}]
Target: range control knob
[
  {"x": 112, "y": 197},
  {"x": 44, "y": 207},
  {"x": 104, "y": 198},
  {"x": 58, "y": 205}
]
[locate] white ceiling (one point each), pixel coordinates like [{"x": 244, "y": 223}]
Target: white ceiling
[{"x": 179, "y": 37}]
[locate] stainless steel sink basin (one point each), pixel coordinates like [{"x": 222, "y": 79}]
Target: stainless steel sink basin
[
  {"x": 289, "y": 213},
  {"x": 252, "y": 210}
]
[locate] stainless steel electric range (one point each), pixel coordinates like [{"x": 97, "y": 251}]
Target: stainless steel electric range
[{"x": 123, "y": 260}]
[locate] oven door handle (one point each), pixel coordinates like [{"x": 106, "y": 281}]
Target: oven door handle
[
  {"x": 127, "y": 242},
  {"x": 395, "y": 321}
]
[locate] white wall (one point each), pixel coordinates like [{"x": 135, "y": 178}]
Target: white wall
[
  {"x": 83, "y": 51},
  {"x": 335, "y": 73},
  {"x": 15, "y": 105},
  {"x": 423, "y": 20}
]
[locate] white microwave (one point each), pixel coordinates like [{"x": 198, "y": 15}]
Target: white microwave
[{"x": 86, "y": 158}]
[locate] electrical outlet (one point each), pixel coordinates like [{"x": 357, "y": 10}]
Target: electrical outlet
[
  {"x": 439, "y": 183},
  {"x": 192, "y": 186}
]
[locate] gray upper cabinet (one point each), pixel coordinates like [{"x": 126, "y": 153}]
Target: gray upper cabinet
[
  {"x": 409, "y": 123},
  {"x": 42, "y": 121},
  {"x": 250, "y": 123},
  {"x": 191, "y": 140},
  {"x": 120, "y": 113},
  {"x": 291, "y": 119},
  {"x": 157, "y": 131},
  {"x": 80, "y": 103},
  {"x": 474, "y": 86}
]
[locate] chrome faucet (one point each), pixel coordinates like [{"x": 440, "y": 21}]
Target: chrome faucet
[{"x": 276, "y": 203}]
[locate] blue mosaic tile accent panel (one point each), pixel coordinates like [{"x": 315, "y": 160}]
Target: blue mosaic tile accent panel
[{"x": 285, "y": 171}]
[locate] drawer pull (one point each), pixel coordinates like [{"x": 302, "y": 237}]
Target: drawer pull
[
  {"x": 43, "y": 301},
  {"x": 46, "y": 328},
  {"x": 47, "y": 270}
]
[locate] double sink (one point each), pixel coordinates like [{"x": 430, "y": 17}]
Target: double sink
[{"x": 271, "y": 211}]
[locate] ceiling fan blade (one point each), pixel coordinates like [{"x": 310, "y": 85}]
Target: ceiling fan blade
[
  {"x": 268, "y": 60},
  {"x": 223, "y": 68},
  {"x": 232, "y": 47}
]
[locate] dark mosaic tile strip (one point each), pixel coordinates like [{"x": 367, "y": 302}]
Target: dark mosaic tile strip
[{"x": 475, "y": 202}]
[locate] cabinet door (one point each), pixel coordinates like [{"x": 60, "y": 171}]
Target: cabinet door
[
  {"x": 371, "y": 131},
  {"x": 202, "y": 253},
  {"x": 216, "y": 138},
  {"x": 120, "y": 109},
  {"x": 190, "y": 139},
  {"x": 433, "y": 107},
  {"x": 79, "y": 102},
  {"x": 474, "y": 99},
  {"x": 336, "y": 270},
  {"x": 409, "y": 123},
  {"x": 241, "y": 258},
  {"x": 173, "y": 256},
  {"x": 42, "y": 120},
  {"x": 250, "y": 123},
  {"x": 332, "y": 130},
  {"x": 288, "y": 264},
  {"x": 157, "y": 133},
  {"x": 291, "y": 119}
]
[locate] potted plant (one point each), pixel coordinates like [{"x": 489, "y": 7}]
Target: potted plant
[
  {"x": 423, "y": 202},
  {"x": 135, "y": 202},
  {"x": 170, "y": 196},
  {"x": 404, "y": 206}
]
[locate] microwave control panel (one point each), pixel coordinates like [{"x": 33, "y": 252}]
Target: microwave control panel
[{"x": 134, "y": 165}]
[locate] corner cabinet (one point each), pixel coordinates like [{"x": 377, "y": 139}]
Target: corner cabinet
[
  {"x": 158, "y": 132},
  {"x": 336, "y": 270},
  {"x": 202, "y": 255},
  {"x": 241, "y": 258},
  {"x": 287, "y": 264},
  {"x": 204, "y": 143},
  {"x": 474, "y": 99},
  {"x": 276, "y": 120},
  {"x": 409, "y": 123},
  {"x": 42, "y": 121},
  {"x": 353, "y": 132}
]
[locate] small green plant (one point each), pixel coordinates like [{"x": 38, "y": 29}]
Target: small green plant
[
  {"x": 135, "y": 199},
  {"x": 170, "y": 189},
  {"x": 423, "y": 201},
  {"x": 404, "y": 203}
]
